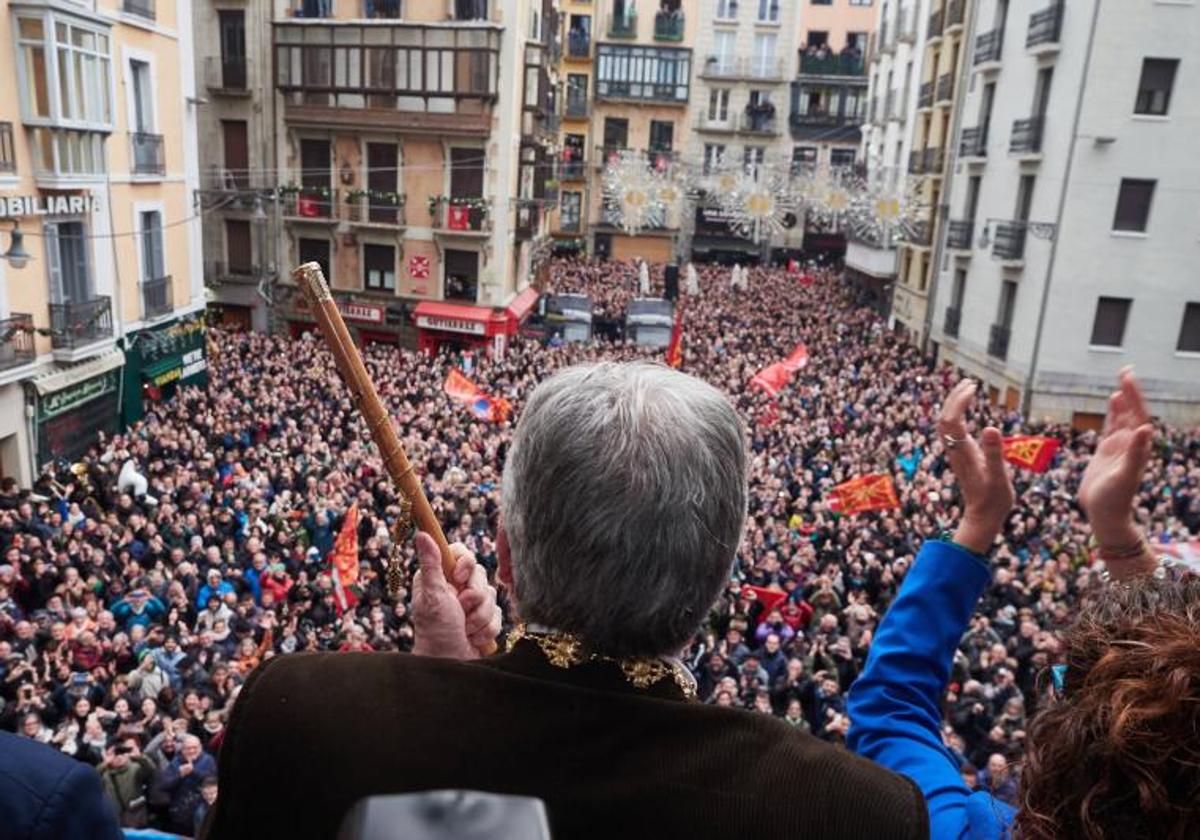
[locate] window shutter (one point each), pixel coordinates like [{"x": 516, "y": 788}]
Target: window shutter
[{"x": 54, "y": 262}]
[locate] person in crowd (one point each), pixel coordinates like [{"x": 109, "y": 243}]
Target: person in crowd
[
  {"x": 591, "y": 680},
  {"x": 1112, "y": 752},
  {"x": 128, "y": 777},
  {"x": 182, "y": 781}
]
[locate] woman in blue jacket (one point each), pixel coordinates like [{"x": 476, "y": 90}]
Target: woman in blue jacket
[{"x": 1116, "y": 752}]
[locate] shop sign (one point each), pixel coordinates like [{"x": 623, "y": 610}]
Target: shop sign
[
  {"x": 193, "y": 363},
  {"x": 22, "y": 206},
  {"x": 460, "y": 325},
  {"x": 360, "y": 312},
  {"x": 60, "y": 402}
]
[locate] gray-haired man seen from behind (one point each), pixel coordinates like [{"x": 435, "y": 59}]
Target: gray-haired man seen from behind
[{"x": 623, "y": 502}]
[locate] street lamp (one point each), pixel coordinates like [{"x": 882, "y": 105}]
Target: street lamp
[{"x": 16, "y": 254}]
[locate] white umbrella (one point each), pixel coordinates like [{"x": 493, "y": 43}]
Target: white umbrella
[
  {"x": 693, "y": 282},
  {"x": 644, "y": 279},
  {"x": 735, "y": 277}
]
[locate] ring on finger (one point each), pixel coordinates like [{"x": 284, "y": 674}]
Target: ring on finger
[{"x": 951, "y": 441}]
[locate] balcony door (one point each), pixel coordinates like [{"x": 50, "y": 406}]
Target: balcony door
[
  {"x": 1008, "y": 303},
  {"x": 153, "y": 263},
  {"x": 1041, "y": 100},
  {"x": 232, "y": 23},
  {"x": 724, "y": 50},
  {"x": 462, "y": 275},
  {"x": 315, "y": 175},
  {"x": 67, "y": 262},
  {"x": 616, "y": 133},
  {"x": 466, "y": 173},
  {"x": 383, "y": 167},
  {"x": 236, "y": 139},
  {"x": 1025, "y": 197}
]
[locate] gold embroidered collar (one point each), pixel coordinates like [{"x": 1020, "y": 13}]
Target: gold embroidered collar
[{"x": 564, "y": 650}]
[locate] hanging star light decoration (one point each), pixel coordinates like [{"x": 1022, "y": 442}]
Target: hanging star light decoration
[
  {"x": 673, "y": 185},
  {"x": 631, "y": 195},
  {"x": 760, "y": 203},
  {"x": 829, "y": 195},
  {"x": 888, "y": 206}
]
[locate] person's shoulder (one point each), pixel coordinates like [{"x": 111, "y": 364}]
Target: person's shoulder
[{"x": 854, "y": 792}]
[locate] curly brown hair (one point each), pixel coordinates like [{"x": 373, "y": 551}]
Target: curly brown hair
[{"x": 1117, "y": 755}]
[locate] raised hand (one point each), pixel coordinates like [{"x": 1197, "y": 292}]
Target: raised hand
[
  {"x": 979, "y": 470},
  {"x": 1116, "y": 470}
]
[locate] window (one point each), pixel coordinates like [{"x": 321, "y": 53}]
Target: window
[
  {"x": 803, "y": 157},
  {"x": 236, "y": 143},
  {"x": 662, "y": 135},
  {"x": 1133, "y": 204},
  {"x": 66, "y": 73},
  {"x": 727, "y": 9},
  {"x": 724, "y": 51},
  {"x": 142, "y": 95},
  {"x": 763, "y": 62},
  {"x": 316, "y": 250},
  {"x": 577, "y": 96},
  {"x": 1008, "y": 302},
  {"x": 67, "y": 262},
  {"x": 754, "y": 157},
  {"x": 238, "y": 253},
  {"x": 153, "y": 263},
  {"x": 1189, "y": 330},
  {"x": 661, "y": 74},
  {"x": 383, "y": 9},
  {"x": 616, "y": 133},
  {"x": 1154, "y": 89},
  {"x": 822, "y": 2},
  {"x": 718, "y": 105},
  {"x": 379, "y": 267},
  {"x": 860, "y": 2},
  {"x": 233, "y": 48},
  {"x": 841, "y": 157},
  {"x": 462, "y": 275},
  {"x": 383, "y": 168},
  {"x": 713, "y": 152},
  {"x": 569, "y": 211},
  {"x": 960, "y": 288},
  {"x": 1108, "y": 328},
  {"x": 768, "y": 11}
]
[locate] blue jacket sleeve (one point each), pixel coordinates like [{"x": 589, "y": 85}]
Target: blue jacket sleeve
[{"x": 895, "y": 706}]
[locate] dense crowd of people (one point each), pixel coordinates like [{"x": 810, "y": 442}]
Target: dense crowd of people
[{"x": 129, "y": 621}]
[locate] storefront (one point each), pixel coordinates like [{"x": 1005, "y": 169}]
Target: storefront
[
  {"x": 160, "y": 361},
  {"x": 366, "y": 322},
  {"x": 73, "y": 404},
  {"x": 715, "y": 241},
  {"x": 457, "y": 326}
]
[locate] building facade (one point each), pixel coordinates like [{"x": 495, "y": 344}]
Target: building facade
[
  {"x": 402, "y": 146},
  {"x": 1071, "y": 249},
  {"x": 98, "y": 162},
  {"x": 932, "y": 158},
  {"x": 897, "y": 48}
]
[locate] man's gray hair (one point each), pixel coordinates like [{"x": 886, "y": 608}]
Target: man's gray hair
[{"x": 624, "y": 501}]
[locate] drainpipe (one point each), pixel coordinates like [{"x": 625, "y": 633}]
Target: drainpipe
[{"x": 1027, "y": 391}]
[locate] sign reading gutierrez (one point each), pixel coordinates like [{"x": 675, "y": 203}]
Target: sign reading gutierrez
[{"x": 21, "y": 206}]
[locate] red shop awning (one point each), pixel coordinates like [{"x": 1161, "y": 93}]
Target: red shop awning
[
  {"x": 458, "y": 318},
  {"x": 520, "y": 306}
]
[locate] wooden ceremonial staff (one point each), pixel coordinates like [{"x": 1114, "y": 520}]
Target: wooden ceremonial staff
[{"x": 311, "y": 281}]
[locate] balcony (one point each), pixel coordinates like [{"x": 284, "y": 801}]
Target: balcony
[
  {"x": 916, "y": 163},
  {"x": 1045, "y": 29},
  {"x": 668, "y": 26},
  {"x": 141, "y": 8},
  {"x": 424, "y": 78},
  {"x": 375, "y": 208},
  {"x": 887, "y": 44},
  {"x": 998, "y": 341},
  {"x": 459, "y": 216},
  {"x": 925, "y": 97},
  {"x": 960, "y": 235},
  {"x": 529, "y": 217},
  {"x": 148, "y": 156},
  {"x": 577, "y": 108},
  {"x": 8, "y": 152},
  {"x": 955, "y": 14},
  {"x": 608, "y": 153},
  {"x": 308, "y": 203},
  {"x": 935, "y": 25},
  {"x": 759, "y": 68},
  {"x": 16, "y": 341},
  {"x": 945, "y": 88},
  {"x": 1027, "y": 136},
  {"x": 78, "y": 324},
  {"x": 847, "y": 63},
  {"x": 906, "y": 31},
  {"x": 579, "y": 44},
  {"x": 224, "y": 77},
  {"x": 623, "y": 26},
  {"x": 921, "y": 236},
  {"x": 759, "y": 124},
  {"x": 1009, "y": 243},
  {"x": 574, "y": 169},
  {"x": 935, "y": 160},
  {"x": 973, "y": 143},
  {"x": 653, "y": 74},
  {"x": 726, "y": 124},
  {"x": 158, "y": 297},
  {"x": 987, "y": 50},
  {"x": 953, "y": 321}
]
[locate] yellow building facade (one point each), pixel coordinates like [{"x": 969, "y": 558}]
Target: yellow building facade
[{"x": 99, "y": 305}]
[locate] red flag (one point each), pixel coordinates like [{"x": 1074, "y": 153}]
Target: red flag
[
  {"x": 343, "y": 561},
  {"x": 869, "y": 492},
  {"x": 807, "y": 280},
  {"x": 798, "y": 360},
  {"x": 459, "y": 388},
  {"x": 465, "y": 392},
  {"x": 1030, "y": 451},
  {"x": 1184, "y": 553},
  {"x": 458, "y": 217},
  {"x": 306, "y": 206},
  {"x": 772, "y": 378},
  {"x": 769, "y": 598},
  {"x": 769, "y": 416},
  {"x": 675, "y": 348}
]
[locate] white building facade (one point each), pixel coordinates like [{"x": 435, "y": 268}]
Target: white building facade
[{"x": 1078, "y": 183}]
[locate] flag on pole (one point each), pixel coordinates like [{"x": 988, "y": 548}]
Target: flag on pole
[
  {"x": 772, "y": 378},
  {"x": 466, "y": 393},
  {"x": 1031, "y": 452},
  {"x": 343, "y": 562},
  {"x": 675, "y": 348},
  {"x": 868, "y": 492}
]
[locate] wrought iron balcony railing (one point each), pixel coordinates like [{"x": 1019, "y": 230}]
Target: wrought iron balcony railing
[
  {"x": 988, "y": 45},
  {"x": 579, "y": 44},
  {"x": 623, "y": 26},
  {"x": 935, "y": 25},
  {"x": 998, "y": 341},
  {"x": 960, "y": 234},
  {"x": 955, "y": 13},
  {"x": 80, "y": 323},
  {"x": 158, "y": 297},
  {"x": 1027, "y": 136},
  {"x": 16, "y": 341},
  {"x": 148, "y": 155},
  {"x": 668, "y": 26},
  {"x": 925, "y": 98},
  {"x": 1009, "y": 243},
  {"x": 953, "y": 321},
  {"x": 141, "y": 8},
  {"x": 1045, "y": 26},
  {"x": 945, "y": 87},
  {"x": 974, "y": 142}
]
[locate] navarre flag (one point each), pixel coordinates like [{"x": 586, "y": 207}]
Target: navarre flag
[
  {"x": 343, "y": 562},
  {"x": 466, "y": 393},
  {"x": 798, "y": 360},
  {"x": 769, "y": 598},
  {"x": 306, "y": 206},
  {"x": 458, "y": 217},
  {"x": 1031, "y": 452},
  {"x": 1184, "y": 553},
  {"x": 675, "y": 348},
  {"x": 869, "y": 492},
  {"x": 772, "y": 378}
]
